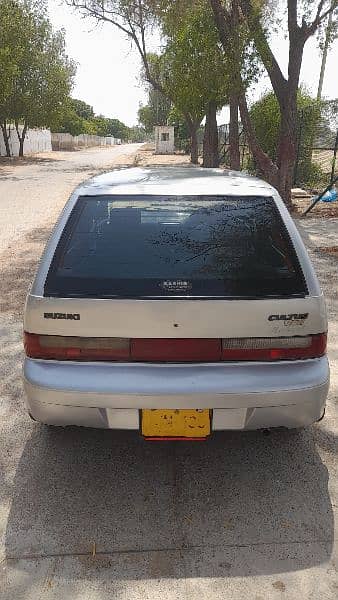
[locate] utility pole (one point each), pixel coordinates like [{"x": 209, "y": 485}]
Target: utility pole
[{"x": 325, "y": 51}]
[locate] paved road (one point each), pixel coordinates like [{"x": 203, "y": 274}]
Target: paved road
[
  {"x": 242, "y": 516},
  {"x": 44, "y": 183}
]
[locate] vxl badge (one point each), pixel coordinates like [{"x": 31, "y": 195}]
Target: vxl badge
[
  {"x": 290, "y": 317},
  {"x": 68, "y": 316}
]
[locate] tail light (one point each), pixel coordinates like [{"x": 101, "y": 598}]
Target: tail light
[
  {"x": 285, "y": 348},
  {"x": 59, "y": 347},
  {"x": 176, "y": 349},
  {"x": 54, "y": 347}
]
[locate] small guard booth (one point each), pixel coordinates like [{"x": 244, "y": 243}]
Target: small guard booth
[{"x": 164, "y": 139}]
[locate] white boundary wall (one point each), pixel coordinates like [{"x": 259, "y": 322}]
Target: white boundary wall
[
  {"x": 66, "y": 141},
  {"x": 37, "y": 140}
]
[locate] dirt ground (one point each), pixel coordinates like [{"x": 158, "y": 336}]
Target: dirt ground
[{"x": 243, "y": 516}]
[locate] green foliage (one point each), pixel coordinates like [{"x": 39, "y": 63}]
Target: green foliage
[
  {"x": 193, "y": 65},
  {"x": 104, "y": 126},
  {"x": 69, "y": 122},
  {"x": 155, "y": 112},
  {"x": 177, "y": 119},
  {"x": 78, "y": 117},
  {"x": 265, "y": 116},
  {"x": 118, "y": 129},
  {"x": 137, "y": 134},
  {"x": 82, "y": 109},
  {"x": 38, "y": 74},
  {"x": 182, "y": 137},
  {"x": 147, "y": 117},
  {"x": 310, "y": 174}
]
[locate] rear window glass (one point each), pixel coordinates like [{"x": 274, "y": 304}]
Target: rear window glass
[{"x": 160, "y": 246}]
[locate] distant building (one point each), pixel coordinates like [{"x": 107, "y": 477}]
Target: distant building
[{"x": 164, "y": 139}]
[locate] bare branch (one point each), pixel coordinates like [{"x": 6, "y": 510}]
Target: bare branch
[
  {"x": 321, "y": 17},
  {"x": 99, "y": 15}
]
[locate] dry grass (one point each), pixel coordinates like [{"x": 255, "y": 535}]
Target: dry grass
[
  {"x": 145, "y": 157},
  {"x": 325, "y": 210},
  {"x": 331, "y": 250}
]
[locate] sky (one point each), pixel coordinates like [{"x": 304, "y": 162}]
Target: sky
[{"x": 108, "y": 66}]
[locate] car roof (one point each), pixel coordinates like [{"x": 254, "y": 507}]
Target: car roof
[{"x": 175, "y": 181}]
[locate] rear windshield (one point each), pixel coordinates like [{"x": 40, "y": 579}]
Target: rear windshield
[{"x": 160, "y": 246}]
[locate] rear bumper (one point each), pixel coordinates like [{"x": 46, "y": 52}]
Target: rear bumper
[{"x": 242, "y": 396}]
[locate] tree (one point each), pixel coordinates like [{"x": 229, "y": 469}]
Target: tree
[
  {"x": 74, "y": 118},
  {"x": 137, "y": 134},
  {"x": 265, "y": 116},
  {"x": 156, "y": 111},
  {"x": 300, "y": 28},
  {"x": 198, "y": 55},
  {"x": 82, "y": 109},
  {"x": 43, "y": 73},
  {"x": 13, "y": 27},
  {"x": 135, "y": 18},
  {"x": 67, "y": 121},
  {"x": 117, "y": 129},
  {"x": 77, "y": 117},
  {"x": 176, "y": 119},
  {"x": 240, "y": 60},
  {"x": 194, "y": 72}
]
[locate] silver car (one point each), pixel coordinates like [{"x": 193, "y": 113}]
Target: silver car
[{"x": 177, "y": 302}]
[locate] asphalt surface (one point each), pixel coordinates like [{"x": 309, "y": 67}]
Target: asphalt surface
[{"x": 96, "y": 515}]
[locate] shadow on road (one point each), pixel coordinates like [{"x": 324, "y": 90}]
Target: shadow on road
[
  {"x": 240, "y": 504},
  {"x": 26, "y": 160}
]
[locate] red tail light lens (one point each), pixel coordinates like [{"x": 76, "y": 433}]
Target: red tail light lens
[
  {"x": 59, "y": 347},
  {"x": 55, "y": 347},
  {"x": 266, "y": 349},
  {"x": 176, "y": 350}
]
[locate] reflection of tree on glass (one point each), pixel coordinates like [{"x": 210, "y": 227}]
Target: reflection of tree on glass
[
  {"x": 236, "y": 240},
  {"x": 210, "y": 246}
]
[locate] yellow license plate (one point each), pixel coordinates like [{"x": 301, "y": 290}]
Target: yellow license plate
[{"x": 159, "y": 423}]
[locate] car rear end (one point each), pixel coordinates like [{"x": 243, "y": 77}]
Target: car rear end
[{"x": 177, "y": 315}]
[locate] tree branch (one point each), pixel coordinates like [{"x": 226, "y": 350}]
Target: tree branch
[
  {"x": 102, "y": 14},
  {"x": 278, "y": 81},
  {"x": 292, "y": 16},
  {"x": 265, "y": 164},
  {"x": 99, "y": 15},
  {"x": 222, "y": 21},
  {"x": 319, "y": 18}
]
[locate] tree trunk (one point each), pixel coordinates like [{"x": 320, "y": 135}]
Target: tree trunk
[
  {"x": 193, "y": 127},
  {"x": 235, "y": 159},
  {"x": 194, "y": 146},
  {"x": 287, "y": 152},
  {"x": 21, "y": 137},
  {"x": 210, "y": 140},
  {"x": 264, "y": 163},
  {"x": 5, "y": 136}
]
